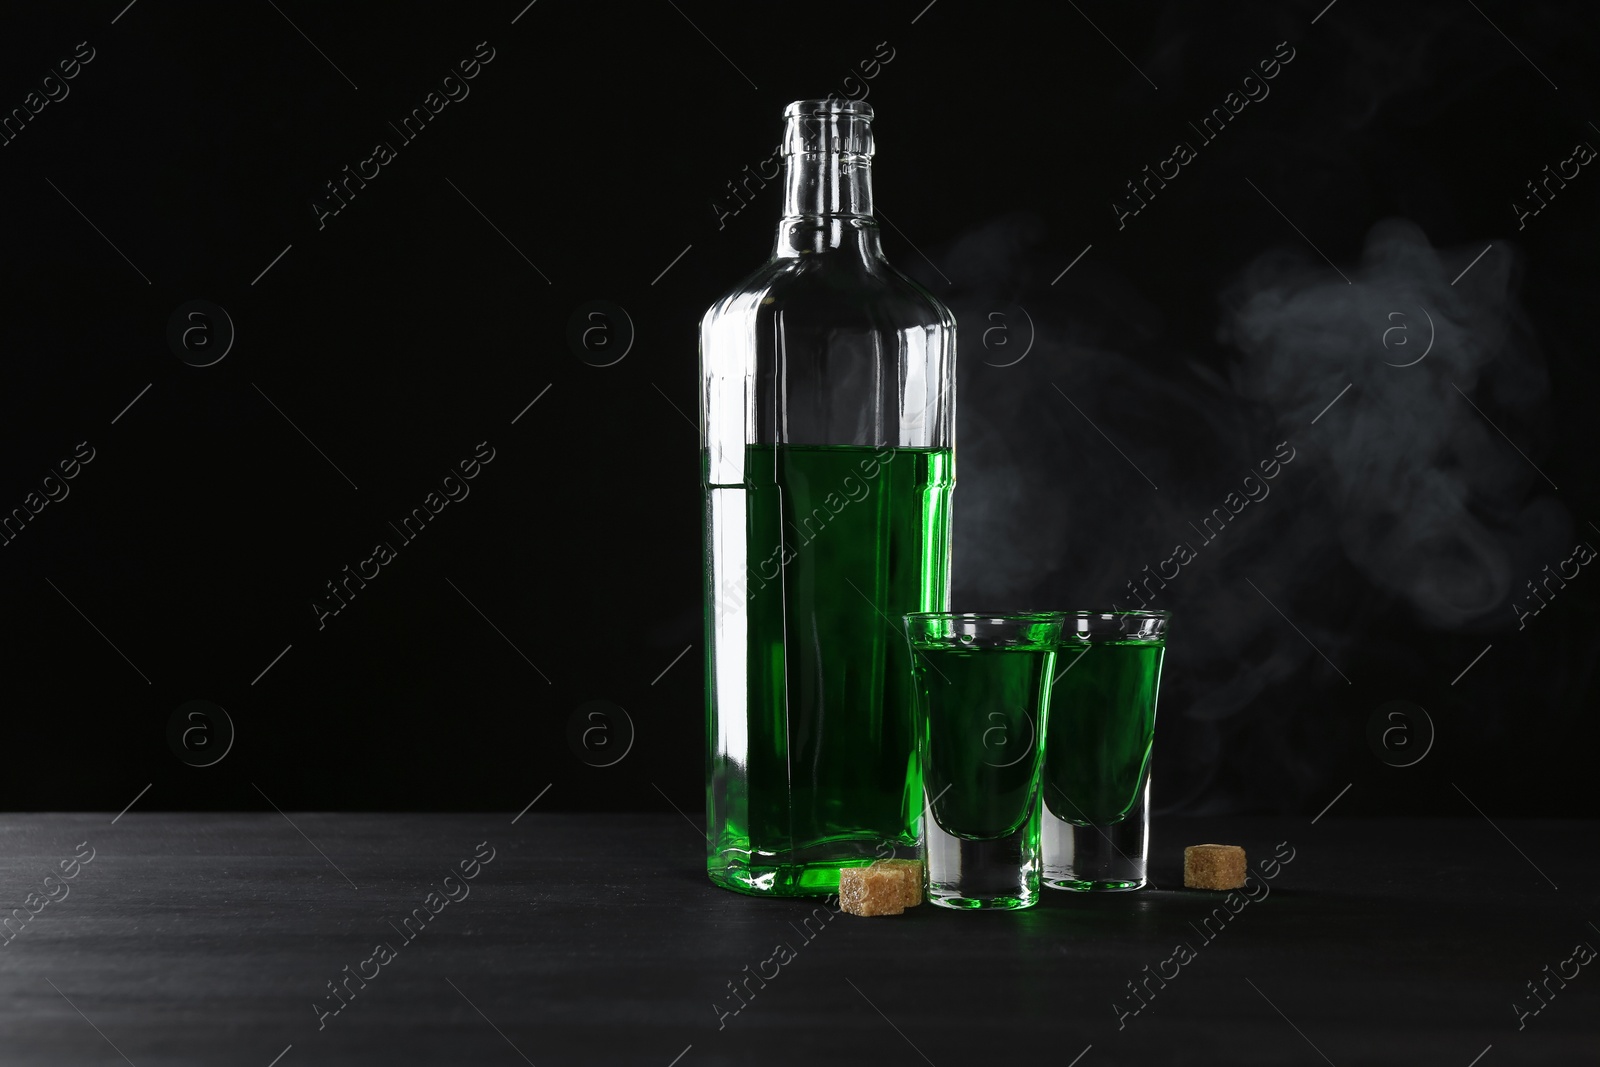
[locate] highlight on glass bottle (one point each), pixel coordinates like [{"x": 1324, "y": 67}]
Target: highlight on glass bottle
[{"x": 827, "y": 406}]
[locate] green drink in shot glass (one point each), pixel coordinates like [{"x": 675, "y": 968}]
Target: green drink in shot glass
[
  {"x": 1096, "y": 820},
  {"x": 982, "y": 705}
]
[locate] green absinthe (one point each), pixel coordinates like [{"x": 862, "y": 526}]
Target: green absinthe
[
  {"x": 1102, "y": 720},
  {"x": 981, "y": 743},
  {"x": 811, "y": 563}
]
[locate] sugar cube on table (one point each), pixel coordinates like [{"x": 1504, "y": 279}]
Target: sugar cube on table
[
  {"x": 887, "y": 887},
  {"x": 1213, "y": 867}
]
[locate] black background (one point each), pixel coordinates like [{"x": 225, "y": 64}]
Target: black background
[{"x": 1177, "y": 352}]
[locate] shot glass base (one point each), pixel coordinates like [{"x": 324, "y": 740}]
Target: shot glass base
[
  {"x": 948, "y": 898},
  {"x": 1091, "y": 859},
  {"x": 998, "y": 875},
  {"x": 1083, "y": 885},
  {"x": 1097, "y": 859}
]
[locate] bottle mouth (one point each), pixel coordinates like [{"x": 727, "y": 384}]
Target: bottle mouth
[
  {"x": 824, "y": 108},
  {"x": 828, "y": 127}
]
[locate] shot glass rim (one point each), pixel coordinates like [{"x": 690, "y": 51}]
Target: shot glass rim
[
  {"x": 988, "y": 616},
  {"x": 992, "y": 630},
  {"x": 1071, "y": 634}
]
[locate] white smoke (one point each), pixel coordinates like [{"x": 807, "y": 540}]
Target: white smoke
[
  {"x": 1433, "y": 504},
  {"x": 1401, "y": 497}
]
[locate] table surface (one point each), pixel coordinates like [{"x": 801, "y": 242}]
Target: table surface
[{"x": 596, "y": 939}]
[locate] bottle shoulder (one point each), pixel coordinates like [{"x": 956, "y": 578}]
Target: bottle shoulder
[{"x": 847, "y": 290}]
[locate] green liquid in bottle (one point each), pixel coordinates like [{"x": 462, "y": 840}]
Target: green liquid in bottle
[
  {"x": 1102, "y": 720},
  {"x": 813, "y": 762},
  {"x": 981, "y": 747}
]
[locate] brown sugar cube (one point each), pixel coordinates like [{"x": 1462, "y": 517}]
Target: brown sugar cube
[
  {"x": 911, "y": 884},
  {"x": 873, "y": 890},
  {"x": 1213, "y": 867},
  {"x": 870, "y": 891}
]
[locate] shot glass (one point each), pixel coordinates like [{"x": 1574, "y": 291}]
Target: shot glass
[
  {"x": 1096, "y": 820},
  {"x": 983, "y": 700}
]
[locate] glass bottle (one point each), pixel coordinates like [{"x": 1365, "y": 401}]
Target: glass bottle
[{"x": 827, "y": 403}]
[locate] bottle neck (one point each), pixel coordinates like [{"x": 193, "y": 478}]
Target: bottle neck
[
  {"x": 827, "y": 185},
  {"x": 827, "y": 206}
]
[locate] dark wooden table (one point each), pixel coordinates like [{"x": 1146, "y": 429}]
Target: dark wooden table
[{"x": 595, "y": 939}]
